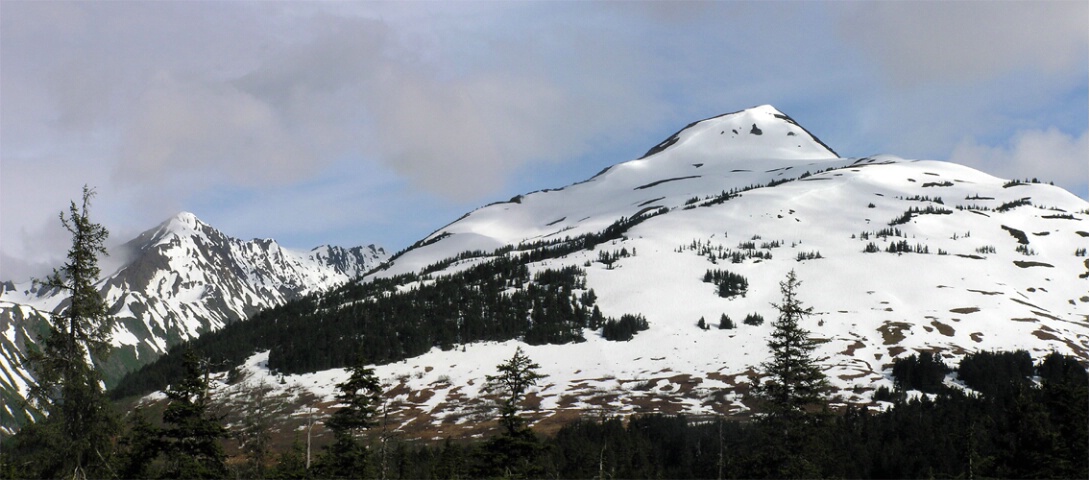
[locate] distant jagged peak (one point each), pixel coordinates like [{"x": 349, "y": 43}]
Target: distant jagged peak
[
  {"x": 757, "y": 132},
  {"x": 181, "y": 225}
]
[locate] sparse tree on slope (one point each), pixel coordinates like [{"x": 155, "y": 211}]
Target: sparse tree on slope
[
  {"x": 515, "y": 377},
  {"x": 513, "y": 454},
  {"x": 68, "y": 387}
]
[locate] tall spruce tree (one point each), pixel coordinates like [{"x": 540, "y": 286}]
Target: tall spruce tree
[
  {"x": 793, "y": 387},
  {"x": 68, "y": 387},
  {"x": 361, "y": 394},
  {"x": 794, "y": 380}
]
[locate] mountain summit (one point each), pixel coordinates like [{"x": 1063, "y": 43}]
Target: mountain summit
[{"x": 758, "y": 132}]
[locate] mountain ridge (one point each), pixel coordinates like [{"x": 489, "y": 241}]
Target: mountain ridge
[{"x": 172, "y": 283}]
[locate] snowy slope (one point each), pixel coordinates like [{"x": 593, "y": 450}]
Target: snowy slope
[
  {"x": 172, "y": 283},
  {"x": 1000, "y": 273}
]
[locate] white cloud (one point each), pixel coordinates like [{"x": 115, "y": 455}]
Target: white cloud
[{"x": 1048, "y": 155}]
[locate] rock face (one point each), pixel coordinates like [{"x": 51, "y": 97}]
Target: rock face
[{"x": 176, "y": 281}]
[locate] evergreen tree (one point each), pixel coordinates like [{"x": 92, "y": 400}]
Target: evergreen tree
[
  {"x": 68, "y": 387},
  {"x": 191, "y": 434},
  {"x": 794, "y": 385},
  {"x": 924, "y": 372},
  {"x": 725, "y": 323},
  {"x": 514, "y": 453},
  {"x": 141, "y": 446},
  {"x": 795, "y": 381},
  {"x": 361, "y": 394},
  {"x": 754, "y": 319},
  {"x": 515, "y": 377}
]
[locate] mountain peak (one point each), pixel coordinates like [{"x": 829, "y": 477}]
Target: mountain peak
[
  {"x": 758, "y": 132},
  {"x": 183, "y": 221}
]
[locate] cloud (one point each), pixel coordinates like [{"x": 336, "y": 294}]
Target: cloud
[
  {"x": 1049, "y": 155},
  {"x": 250, "y": 106},
  {"x": 915, "y": 43}
]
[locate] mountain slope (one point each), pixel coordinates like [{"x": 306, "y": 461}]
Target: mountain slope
[
  {"x": 896, "y": 256},
  {"x": 175, "y": 282}
]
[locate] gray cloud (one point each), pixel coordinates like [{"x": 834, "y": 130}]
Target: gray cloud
[{"x": 916, "y": 42}]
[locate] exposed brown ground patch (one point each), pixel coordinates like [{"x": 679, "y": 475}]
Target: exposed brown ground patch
[
  {"x": 977, "y": 337},
  {"x": 943, "y": 328},
  {"x": 1044, "y": 333},
  {"x": 1045, "y": 315},
  {"x": 850, "y": 351},
  {"x": 1029, "y": 264},
  {"x": 985, "y": 292},
  {"x": 964, "y": 310},
  {"x": 893, "y": 332}
]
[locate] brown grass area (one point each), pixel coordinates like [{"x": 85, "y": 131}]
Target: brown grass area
[
  {"x": 850, "y": 351},
  {"x": 893, "y": 332},
  {"x": 1044, "y": 333},
  {"x": 943, "y": 328}
]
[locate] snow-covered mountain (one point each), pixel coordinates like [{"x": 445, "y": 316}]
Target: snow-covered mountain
[
  {"x": 170, "y": 284},
  {"x": 896, "y": 257}
]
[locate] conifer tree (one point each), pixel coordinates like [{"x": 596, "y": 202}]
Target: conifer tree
[
  {"x": 360, "y": 395},
  {"x": 725, "y": 323},
  {"x": 514, "y": 453},
  {"x": 515, "y": 377},
  {"x": 795, "y": 381},
  {"x": 190, "y": 438},
  {"x": 794, "y": 385},
  {"x": 68, "y": 387}
]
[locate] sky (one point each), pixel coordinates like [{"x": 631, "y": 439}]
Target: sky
[{"x": 356, "y": 123}]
